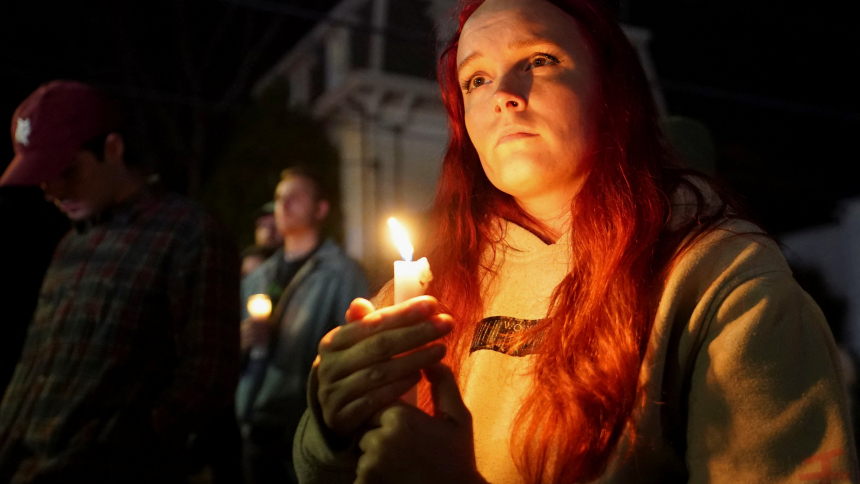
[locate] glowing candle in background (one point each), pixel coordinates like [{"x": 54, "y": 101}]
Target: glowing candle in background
[
  {"x": 410, "y": 278},
  {"x": 260, "y": 306}
]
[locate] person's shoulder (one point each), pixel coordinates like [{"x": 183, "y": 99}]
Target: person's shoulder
[
  {"x": 185, "y": 209},
  {"x": 734, "y": 239},
  {"x": 720, "y": 259},
  {"x": 331, "y": 256},
  {"x": 332, "y": 264},
  {"x": 190, "y": 220}
]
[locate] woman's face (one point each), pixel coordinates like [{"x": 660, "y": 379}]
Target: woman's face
[{"x": 528, "y": 87}]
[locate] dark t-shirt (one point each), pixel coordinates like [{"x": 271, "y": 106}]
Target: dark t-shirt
[{"x": 287, "y": 270}]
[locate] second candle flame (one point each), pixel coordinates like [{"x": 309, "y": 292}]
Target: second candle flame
[
  {"x": 401, "y": 239},
  {"x": 260, "y": 306}
]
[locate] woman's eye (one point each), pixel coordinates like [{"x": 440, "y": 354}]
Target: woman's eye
[
  {"x": 541, "y": 60},
  {"x": 473, "y": 83}
]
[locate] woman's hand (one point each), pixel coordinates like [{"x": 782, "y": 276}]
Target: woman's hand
[
  {"x": 368, "y": 363},
  {"x": 411, "y": 447}
]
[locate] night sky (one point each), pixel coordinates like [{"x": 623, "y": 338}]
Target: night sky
[{"x": 774, "y": 82}]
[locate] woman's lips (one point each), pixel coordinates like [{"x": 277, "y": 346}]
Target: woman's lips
[{"x": 514, "y": 136}]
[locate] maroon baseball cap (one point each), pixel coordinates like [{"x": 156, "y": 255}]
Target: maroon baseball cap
[{"x": 51, "y": 125}]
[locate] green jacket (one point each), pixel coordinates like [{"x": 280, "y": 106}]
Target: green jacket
[{"x": 311, "y": 305}]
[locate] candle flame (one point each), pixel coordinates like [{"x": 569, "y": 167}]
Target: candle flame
[
  {"x": 260, "y": 306},
  {"x": 401, "y": 239}
]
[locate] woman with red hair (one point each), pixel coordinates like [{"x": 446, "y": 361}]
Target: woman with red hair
[{"x": 598, "y": 312}]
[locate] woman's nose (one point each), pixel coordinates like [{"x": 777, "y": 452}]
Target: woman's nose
[{"x": 509, "y": 96}]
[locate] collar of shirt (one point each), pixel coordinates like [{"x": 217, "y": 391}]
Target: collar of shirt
[{"x": 121, "y": 213}]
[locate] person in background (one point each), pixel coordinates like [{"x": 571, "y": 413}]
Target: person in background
[
  {"x": 267, "y": 239},
  {"x": 266, "y": 233},
  {"x": 133, "y": 345},
  {"x": 311, "y": 282},
  {"x": 598, "y": 312}
]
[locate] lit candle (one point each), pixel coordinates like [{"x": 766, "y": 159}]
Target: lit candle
[
  {"x": 260, "y": 306},
  {"x": 410, "y": 280}
]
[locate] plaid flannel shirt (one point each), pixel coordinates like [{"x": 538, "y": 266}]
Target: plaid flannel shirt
[{"x": 133, "y": 344}]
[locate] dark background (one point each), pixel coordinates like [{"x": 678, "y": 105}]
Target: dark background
[{"x": 774, "y": 82}]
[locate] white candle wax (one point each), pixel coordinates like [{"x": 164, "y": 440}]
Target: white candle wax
[{"x": 410, "y": 279}]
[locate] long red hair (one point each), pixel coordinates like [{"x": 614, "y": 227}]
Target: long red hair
[{"x": 586, "y": 371}]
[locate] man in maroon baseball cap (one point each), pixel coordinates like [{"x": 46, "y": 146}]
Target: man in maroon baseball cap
[
  {"x": 133, "y": 347},
  {"x": 51, "y": 125},
  {"x": 50, "y": 131}
]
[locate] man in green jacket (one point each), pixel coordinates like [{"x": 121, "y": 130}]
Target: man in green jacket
[{"x": 311, "y": 283}]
